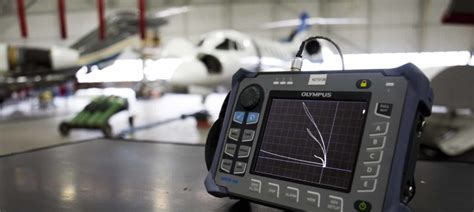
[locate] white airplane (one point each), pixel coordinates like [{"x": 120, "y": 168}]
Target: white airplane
[
  {"x": 213, "y": 61},
  {"x": 219, "y": 54}
]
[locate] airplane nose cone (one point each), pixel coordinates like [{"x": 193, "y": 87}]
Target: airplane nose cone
[{"x": 191, "y": 71}]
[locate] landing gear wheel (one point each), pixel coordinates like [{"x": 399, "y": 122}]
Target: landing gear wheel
[
  {"x": 131, "y": 121},
  {"x": 64, "y": 129},
  {"x": 107, "y": 131}
]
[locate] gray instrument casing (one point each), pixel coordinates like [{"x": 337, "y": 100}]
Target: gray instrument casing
[{"x": 406, "y": 88}]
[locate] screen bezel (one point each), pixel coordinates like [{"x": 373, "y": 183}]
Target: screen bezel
[{"x": 297, "y": 95}]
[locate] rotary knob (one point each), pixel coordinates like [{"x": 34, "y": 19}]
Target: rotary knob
[{"x": 250, "y": 97}]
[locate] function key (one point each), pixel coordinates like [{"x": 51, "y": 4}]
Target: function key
[
  {"x": 255, "y": 185},
  {"x": 377, "y": 129},
  {"x": 244, "y": 151},
  {"x": 292, "y": 193},
  {"x": 274, "y": 190},
  {"x": 252, "y": 118},
  {"x": 239, "y": 117},
  {"x": 234, "y": 134},
  {"x": 376, "y": 143},
  {"x": 313, "y": 198},
  {"x": 373, "y": 157},
  {"x": 370, "y": 171},
  {"x": 383, "y": 109},
  {"x": 335, "y": 203},
  {"x": 240, "y": 167},
  {"x": 368, "y": 185},
  {"x": 226, "y": 165},
  {"x": 248, "y": 135},
  {"x": 230, "y": 149}
]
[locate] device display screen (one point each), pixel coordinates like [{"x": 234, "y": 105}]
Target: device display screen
[{"x": 312, "y": 141}]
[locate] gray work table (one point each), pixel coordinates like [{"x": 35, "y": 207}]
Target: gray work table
[{"x": 109, "y": 175}]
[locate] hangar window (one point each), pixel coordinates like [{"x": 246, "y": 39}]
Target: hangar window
[{"x": 227, "y": 44}]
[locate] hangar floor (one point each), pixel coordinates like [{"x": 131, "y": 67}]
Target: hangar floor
[
  {"x": 118, "y": 175},
  {"x": 24, "y": 127},
  {"x": 42, "y": 171}
]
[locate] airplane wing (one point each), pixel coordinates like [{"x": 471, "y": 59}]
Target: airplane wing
[
  {"x": 314, "y": 21},
  {"x": 39, "y": 72},
  {"x": 305, "y": 21},
  {"x": 121, "y": 30}
]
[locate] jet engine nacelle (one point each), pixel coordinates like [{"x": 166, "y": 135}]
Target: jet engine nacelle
[
  {"x": 312, "y": 47},
  {"x": 313, "y": 51},
  {"x": 25, "y": 58}
]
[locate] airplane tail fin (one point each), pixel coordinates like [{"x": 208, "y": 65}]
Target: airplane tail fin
[
  {"x": 299, "y": 33},
  {"x": 313, "y": 49}
]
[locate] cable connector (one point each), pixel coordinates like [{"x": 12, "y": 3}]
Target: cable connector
[
  {"x": 296, "y": 64},
  {"x": 298, "y": 61}
]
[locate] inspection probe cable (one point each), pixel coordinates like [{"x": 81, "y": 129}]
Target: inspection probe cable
[
  {"x": 298, "y": 61},
  {"x": 198, "y": 115}
]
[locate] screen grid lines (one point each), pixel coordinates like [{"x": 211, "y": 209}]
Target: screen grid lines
[{"x": 297, "y": 137}]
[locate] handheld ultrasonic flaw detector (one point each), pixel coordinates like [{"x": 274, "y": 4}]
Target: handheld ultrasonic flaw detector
[{"x": 320, "y": 141}]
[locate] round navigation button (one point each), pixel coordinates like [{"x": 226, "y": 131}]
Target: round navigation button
[
  {"x": 250, "y": 97},
  {"x": 362, "y": 206}
]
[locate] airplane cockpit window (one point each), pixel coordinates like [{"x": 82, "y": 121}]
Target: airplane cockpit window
[
  {"x": 234, "y": 45},
  {"x": 199, "y": 44},
  {"x": 227, "y": 44}
]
